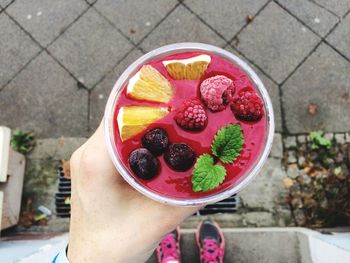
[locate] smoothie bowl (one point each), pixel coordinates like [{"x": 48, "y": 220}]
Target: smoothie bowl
[{"x": 189, "y": 124}]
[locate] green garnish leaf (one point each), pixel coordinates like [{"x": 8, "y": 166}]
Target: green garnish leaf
[
  {"x": 228, "y": 143},
  {"x": 207, "y": 176}
]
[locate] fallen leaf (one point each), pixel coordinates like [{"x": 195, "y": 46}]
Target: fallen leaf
[
  {"x": 66, "y": 168},
  {"x": 312, "y": 109},
  {"x": 132, "y": 31}
]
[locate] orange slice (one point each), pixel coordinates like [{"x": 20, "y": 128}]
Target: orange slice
[
  {"x": 148, "y": 84},
  {"x": 134, "y": 119},
  {"x": 190, "y": 68}
]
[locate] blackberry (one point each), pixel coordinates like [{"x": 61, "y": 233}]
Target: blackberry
[
  {"x": 143, "y": 163},
  {"x": 156, "y": 141},
  {"x": 180, "y": 157}
]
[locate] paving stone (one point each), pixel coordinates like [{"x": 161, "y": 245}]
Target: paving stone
[
  {"x": 292, "y": 157},
  {"x": 272, "y": 89},
  {"x": 277, "y": 147},
  {"x": 316, "y": 17},
  {"x": 56, "y": 148},
  {"x": 329, "y": 136},
  {"x": 5, "y": 3},
  {"x": 290, "y": 141},
  {"x": 339, "y": 138},
  {"x": 99, "y": 95},
  {"x": 90, "y": 48},
  {"x": 44, "y": 19},
  {"x": 339, "y": 7},
  {"x": 16, "y": 49},
  {"x": 135, "y": 18},
  {"x": 324, "y": 80},
  {"x": 181, "y": 26},
  {"x": 266, "y": 191},
  {"x": 225, "y": 16},
  {"x": 347, "y": 137},
  {"x": 340, "y": 37},
  {"x": 292, "y": 171},
  {"x": 45, "y": 99},
  {"x": 301, "y": 139},
  {"x": 276, "y": 42},
  {"x": 301, "y": 161}
]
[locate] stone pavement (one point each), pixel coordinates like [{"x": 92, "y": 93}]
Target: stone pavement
[{"x": 60, "y": 59}]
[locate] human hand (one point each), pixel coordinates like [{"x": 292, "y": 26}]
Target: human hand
[{"x": 110, "y": 221}]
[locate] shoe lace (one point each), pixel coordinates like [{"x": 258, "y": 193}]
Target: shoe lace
[
  {"x": 211, "y": 252},
  {"x": 169, "y": 247}
]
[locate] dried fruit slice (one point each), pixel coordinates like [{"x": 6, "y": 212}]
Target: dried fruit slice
[
  {"x": 134, "y": 119},
  {"x": 190, "y": 68},
  {"x": 148, "y": 84}
]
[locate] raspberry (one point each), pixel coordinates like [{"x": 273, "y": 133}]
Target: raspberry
[
  {"x": 247, "y": 106},
  {"x": 180, "y": 156},
  {"x": 143, "y": 163},
  {"x": 217, "y": 92},
  {"x": 156, "y": 141},
  {"x": 191, "y": 115}
]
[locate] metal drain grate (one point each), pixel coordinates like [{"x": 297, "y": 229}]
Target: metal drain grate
[
  {"x": 229, "y": 205},
  {"x": 62, "y": 197}
]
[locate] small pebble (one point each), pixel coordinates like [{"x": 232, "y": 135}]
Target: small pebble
[
  {"x": 100, "y": 96},
  {"x": 29, "y": 16},
  {"x": 39, "y": 13},
  {"x": 317, "y": 20},
  {"x": 148, "y": 23}
]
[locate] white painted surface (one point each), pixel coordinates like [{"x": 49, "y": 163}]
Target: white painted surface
[
  {"x": 5, "y": 137},
  {"x": 32, "y": 251}
]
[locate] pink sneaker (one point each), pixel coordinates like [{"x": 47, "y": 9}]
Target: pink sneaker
[
  {"x": 210, "y": 242},
  {"x": 168, "y": 250}
]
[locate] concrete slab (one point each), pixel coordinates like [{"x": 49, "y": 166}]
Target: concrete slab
[
  {"x": 16, "y": 49},
  {"x": 271, "y": 87},
  {"x": 45, "y": 99},
  {"x": 45, "y": 20},
  {"x": 99, "y": 95},
  {"x": 225, "y": 16},
  {"x": 5, "y": 3},
  {"x": 338, "y": 7},
  {"x": 90, "y": 48},
  {"x": 56, "y": 149},
  {"x": 316, "y": 17},
  {"x": 340, "y": 37},
  {"x": 276, "y": 42},
  {"x": 256, "y": 196},
  {"x": 323, "y": 80},
  {"x": 181, "y": 26},
  {"x": 135, "y": 18},
  {"x": 40, "y": 183}
]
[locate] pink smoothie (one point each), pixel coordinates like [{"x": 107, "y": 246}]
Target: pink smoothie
[{"x": 178, "y": 184}]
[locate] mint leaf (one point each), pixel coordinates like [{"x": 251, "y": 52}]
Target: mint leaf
[
  {"x": 228, "y": 143},
  {"x": 207, "y": 176}
]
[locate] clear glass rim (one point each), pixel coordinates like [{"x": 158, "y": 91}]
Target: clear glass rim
[{"x": 173, "y": 49}]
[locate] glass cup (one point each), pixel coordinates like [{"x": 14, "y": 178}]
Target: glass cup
[{"x": 170, "y": 50}]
